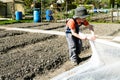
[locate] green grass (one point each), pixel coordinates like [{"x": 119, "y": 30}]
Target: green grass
[{"x": 3, "y": 22}]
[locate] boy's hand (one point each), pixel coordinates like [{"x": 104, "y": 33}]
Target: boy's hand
[
  {"x": 91, "y": 37},
  {"x": 84, "y": 37}
]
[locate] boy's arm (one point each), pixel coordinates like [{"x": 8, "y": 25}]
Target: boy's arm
[
  {"x": 77, "y": 35},
  {"x": 91, "y": 29},
  {"x": 92, "y": 32}
]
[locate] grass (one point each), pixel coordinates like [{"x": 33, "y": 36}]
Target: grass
[{"x": 3, "y": 22}]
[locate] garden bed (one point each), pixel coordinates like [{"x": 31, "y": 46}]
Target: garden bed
[{"x": 23, "y": 55}]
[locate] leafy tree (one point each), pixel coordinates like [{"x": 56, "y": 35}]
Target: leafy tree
[
  {"x": 118, "y": 3},
  {"x": 28, "y": 3},
  {"x": 112, "y": 3}
]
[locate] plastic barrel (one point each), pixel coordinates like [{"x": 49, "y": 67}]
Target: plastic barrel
[
  {"x": 49, "y": 15},
  {"x": 36, "y": 15},
  {"x": 18, "y": 15}
]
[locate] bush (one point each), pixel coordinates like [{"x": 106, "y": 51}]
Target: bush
[
  {"x": 71, "y": 6},
  {"x": 71, "y": 13},
  {"x": 88, "y": 7}
]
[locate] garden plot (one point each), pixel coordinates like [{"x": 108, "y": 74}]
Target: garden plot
[
  {"x": 23, "y": 55},
  {"x": 27, "y": 54}
]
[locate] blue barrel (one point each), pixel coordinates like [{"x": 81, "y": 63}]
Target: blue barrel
[
  {"x": 36, "y": 15},
  {"x": 49, "y": 15},
  {"x": 18, "y": 15}
]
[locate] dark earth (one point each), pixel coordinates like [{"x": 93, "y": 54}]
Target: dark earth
[{"x": 37, "y": 56}]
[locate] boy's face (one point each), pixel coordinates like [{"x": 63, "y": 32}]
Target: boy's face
[{"x": 79, "y": 20}]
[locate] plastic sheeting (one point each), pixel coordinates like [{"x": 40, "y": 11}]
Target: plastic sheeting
[{"x": 103, "y": 65}]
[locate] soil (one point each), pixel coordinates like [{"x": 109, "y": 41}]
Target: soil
[{"x": 37, "y": 56}]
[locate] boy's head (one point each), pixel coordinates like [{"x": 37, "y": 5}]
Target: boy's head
[{"x": 80, "y": 12}]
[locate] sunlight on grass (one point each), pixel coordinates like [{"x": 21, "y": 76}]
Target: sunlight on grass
[{"x": 3, "y": 22}]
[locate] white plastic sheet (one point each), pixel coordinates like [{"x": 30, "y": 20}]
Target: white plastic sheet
[{"x": 103, "y": 65}]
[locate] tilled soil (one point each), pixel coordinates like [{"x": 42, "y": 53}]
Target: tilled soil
[{"x": 24, "y": 55}]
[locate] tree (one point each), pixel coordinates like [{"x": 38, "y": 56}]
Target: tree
[
  {"x": 112, "y": 3},
  {"x": 118, "y": 3},
  {"x": 13, "y": 9},
  {"x": 28, "y": 3}
]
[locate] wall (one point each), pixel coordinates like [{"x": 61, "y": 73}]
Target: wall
[
  {"x": 7, "y": 10},
  {"x": 20, "y": 7}
]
